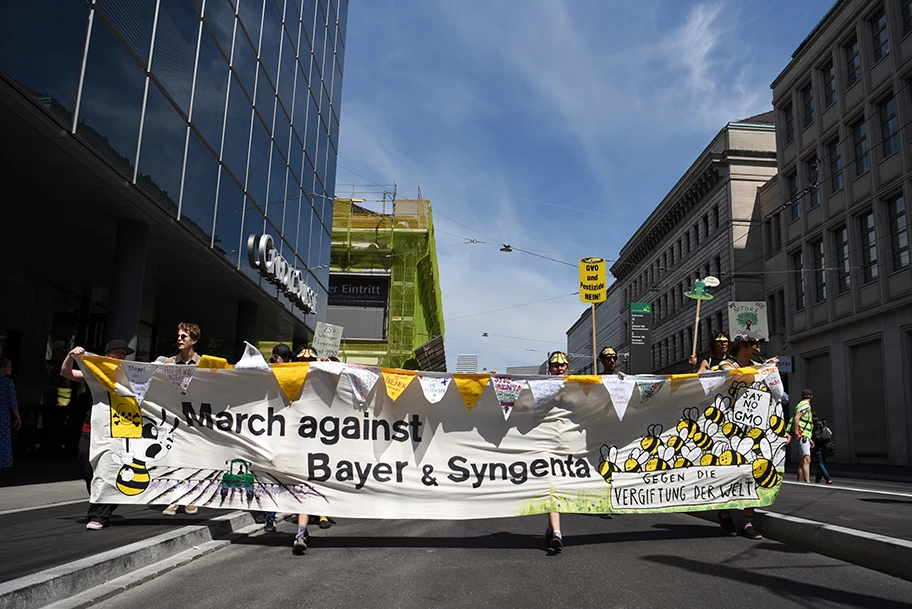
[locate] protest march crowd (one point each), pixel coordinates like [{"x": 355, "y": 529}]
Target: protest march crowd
[{"x": 810, "y": 433}]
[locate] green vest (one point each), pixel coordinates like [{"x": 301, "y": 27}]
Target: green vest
[{"x": 805, "y": 420}]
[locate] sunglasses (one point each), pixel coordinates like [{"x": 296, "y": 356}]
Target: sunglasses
[
  {"x": 183, "y": 336},
  {"x": 609, "y": 357}
]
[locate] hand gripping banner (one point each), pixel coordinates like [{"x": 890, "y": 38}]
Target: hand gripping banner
[{"x": 268, "y": 440}]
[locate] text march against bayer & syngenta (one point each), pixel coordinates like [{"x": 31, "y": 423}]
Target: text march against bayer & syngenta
[{"x": 354, "y": 441}]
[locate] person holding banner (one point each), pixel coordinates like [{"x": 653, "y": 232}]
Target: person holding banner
[
  {"x": 188, "y": 335},
  {"x": 608, "y": 358},
  {"x": 719, "y": 351},
  {"x": 99, "y": 514},
  {"x": 558, "y": 365},
  {"x": 745, "y": 351}
]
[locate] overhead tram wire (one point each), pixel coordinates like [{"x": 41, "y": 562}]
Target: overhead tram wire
[{"x": 516, "y": 306}]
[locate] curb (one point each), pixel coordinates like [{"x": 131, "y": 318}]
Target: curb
[
  {"x": 870, "y": 550},
  {"x": 70, "y": 580}
]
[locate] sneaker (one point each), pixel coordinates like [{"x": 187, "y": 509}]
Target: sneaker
[
  {"x": 171, "y": 510},
  {"x": 300, "y": 543},
  {"x": 549, "y": 534},
  {"x": 606, "y": 516},
  {"x": 728, "y": 525},
  {"x": 324, "y": 522},
  {"x": 259, "y": 517},
  {"x": 270, "y": 525},
  {"x": 750, "y": 532},
  {"x": 557, "y": 543},
  {"x": 191, "y": 510},
  {"x": 95, "y": 525}
]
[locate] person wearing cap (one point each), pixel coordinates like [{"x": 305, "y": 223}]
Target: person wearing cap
[
  {"x": 188, "y": 334},
  {"x": 99, "y": 514},
  {"x": 744, "y": 352},
  {"x": 803, "y": 425},
  {"x": 719, "y": 351},
  {"x": 558, "y": 365},
  {"x": 608, "y": 358}
]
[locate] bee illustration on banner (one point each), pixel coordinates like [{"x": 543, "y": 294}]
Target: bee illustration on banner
[
  {"x": 133, "y": 477},
  {"x": 651, "y": 442},
  {"x": 608, "y": 464},
  {"x": 764, "y": 467}
]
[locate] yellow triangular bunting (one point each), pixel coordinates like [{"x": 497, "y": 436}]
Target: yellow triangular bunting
[
  {"x": 470, "y": 387},
  {"x": 126, "y": 418},
  {"x": 103, "y": 369},
  {"x": 744, "y": 371},
  {"x": 585, "y": 381},
  {"x": 397, "y": 381},
  {"x": 215, "y": 363},
  {"x": 291, "y": 377},
  {"x": 679, "y": 379}
]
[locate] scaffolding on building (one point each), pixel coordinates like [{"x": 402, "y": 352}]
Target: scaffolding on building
[{"x": 393, "y": 237}]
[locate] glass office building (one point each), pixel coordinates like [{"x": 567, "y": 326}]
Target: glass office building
[{"x": 146, "y": 141}]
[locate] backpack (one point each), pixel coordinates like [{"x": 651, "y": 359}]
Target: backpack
[{"x": 821, "y": 432}]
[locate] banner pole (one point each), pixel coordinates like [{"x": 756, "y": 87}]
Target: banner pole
[
  {"x": 594, "y": 362},
  {"x": 696, "y": 329}
]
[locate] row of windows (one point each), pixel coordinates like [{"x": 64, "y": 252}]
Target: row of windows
[
  {"x": 678, "y": 346},
  {"x": 833, "y": 256},
  {"x": 668, "y": 304},
  {"x": 835, "y": 164},
  {"x": 665, "y": 262},
  {"x": 852, "y": 61}
]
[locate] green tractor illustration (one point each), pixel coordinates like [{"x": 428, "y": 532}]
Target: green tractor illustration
[{"x": 238, "y": 477}]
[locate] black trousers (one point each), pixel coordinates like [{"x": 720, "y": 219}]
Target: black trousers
[{"x": 100, "y": 512}]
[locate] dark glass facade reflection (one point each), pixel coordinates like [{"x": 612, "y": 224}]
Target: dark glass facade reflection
[{"x": 225, "y": 113}]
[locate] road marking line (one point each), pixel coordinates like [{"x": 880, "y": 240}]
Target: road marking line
[
  {"x": 41, "y": 507},
  {"x": 834, "y": 487}
]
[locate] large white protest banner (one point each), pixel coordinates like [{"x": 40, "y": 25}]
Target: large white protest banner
[{"x": 296, "y": 438}]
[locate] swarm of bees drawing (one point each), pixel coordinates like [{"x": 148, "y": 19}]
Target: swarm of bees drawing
[{"x": 704, "y": 441}]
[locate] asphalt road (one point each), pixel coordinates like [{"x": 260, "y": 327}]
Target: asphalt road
[{"x": 670, "y": 560}]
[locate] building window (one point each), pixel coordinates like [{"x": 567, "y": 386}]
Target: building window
[
  {"x": 788, "y": 117},
  {"x": 782, "y": 309},
  {"x": 798, "y": 270},
  {"x": 717, "y": 263},
  {"x": 879, "y": 34},
  {"x": 697, "y": 234},
  {"x": 829, "y": 85},
  {"x": 899, "y": 236},
  {"x": 907, "y": 16},
  {"x": 853, "y": 63},
  {"x": 687, "y": 241},
  {"x": 813, "y": 187},
  {"x": 705, "y": 224},
  {"x": 715, "y": 214},
  {"x": 868, "y": 247},
  {"x": 837, "y": 180},
  {"x": 843, "y": 270},
  {"x": 791, "y": 190},
  {"x": 818, "y": 259},
  {"x": 889, "y": 127},
  {"x": 807, "y": 99},
  {"x": 774, "y": 233},
  {"x": 860, "y": 142},
  {"x": 771, "y": 311}
]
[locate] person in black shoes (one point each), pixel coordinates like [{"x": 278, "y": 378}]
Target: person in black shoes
[{"x": 558, "y": 365}]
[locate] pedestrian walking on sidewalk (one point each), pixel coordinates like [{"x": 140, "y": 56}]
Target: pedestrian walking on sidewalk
[
  {"x": 823, "y": 445},
  {"x": 803, "y": 425},
  {"x": 99, "y": 514},
  {"x": 9, "y": 412}
]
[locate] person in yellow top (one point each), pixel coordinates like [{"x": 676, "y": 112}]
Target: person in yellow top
[
  {"x": 803, "y": 425},
  {"x": 558, "y": 365}
]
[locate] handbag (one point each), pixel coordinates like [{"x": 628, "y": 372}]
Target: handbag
[{"x": 830, "y": 448}]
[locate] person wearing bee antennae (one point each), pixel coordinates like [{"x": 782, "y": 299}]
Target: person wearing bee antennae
[
  {"x": 719, "y": 350},
  {"x": 744, "y": 352},
  {"x": 558, "y": 365}
]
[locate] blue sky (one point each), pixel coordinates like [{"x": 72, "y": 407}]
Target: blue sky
[{"x": 556, "y": 128}]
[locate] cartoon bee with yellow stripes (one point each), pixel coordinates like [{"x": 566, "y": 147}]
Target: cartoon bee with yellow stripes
[
  {"x": 703, "y": 439},
  {"x": 777, "y": 423},
  {"x": 763, "y": 467},
  {"x": 608, "y": 464},
  {"x": 690, "y": 456},
  {"x": 636, "y": 460},
  {"x": 755, "y": 434},
  {"x": 688, "y": 426},
  {"x": 133, "y": 477},
  {"x": 738, "y": 453},
  {"x": 661, "y": 461},
  {"x": 712, "y": 458},
  {"x": 651, "y": 442},
  {"x": 716, "y": 412},
  {"x": 732, "y": 430}
]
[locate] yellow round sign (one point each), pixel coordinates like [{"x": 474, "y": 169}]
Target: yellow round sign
[{"x": 593, "y": 279}]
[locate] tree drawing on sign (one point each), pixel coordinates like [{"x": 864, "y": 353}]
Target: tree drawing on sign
[{"x": 747, "y": 319}]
